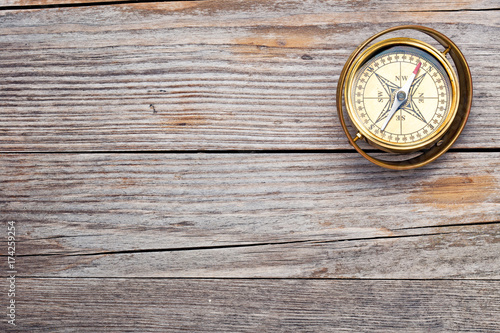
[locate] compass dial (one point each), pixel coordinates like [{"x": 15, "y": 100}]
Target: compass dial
[{"x": 401, "y": 97}]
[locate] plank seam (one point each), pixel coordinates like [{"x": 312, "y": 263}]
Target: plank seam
[
  {"x": 236, "y": 151},
  {"x": 125, "y": 2},
  {"x": 249, "y": 278}
]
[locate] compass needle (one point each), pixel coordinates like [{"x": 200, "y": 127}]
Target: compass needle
[
  {"x": 401, "y": 96},
  {"x": 416, "y": 84},
  {"x": 384, "y": 113}
]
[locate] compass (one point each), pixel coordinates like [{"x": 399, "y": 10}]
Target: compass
[{"x": 404, "y": 96}]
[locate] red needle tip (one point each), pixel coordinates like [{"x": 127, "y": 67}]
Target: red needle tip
[{"x": 417, "y": 68}]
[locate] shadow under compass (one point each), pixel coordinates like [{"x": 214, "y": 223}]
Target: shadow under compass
[{"x": 394, "y": 157}]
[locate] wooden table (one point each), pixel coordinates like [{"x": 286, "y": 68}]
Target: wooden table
[{"x": 179, "y": 166}]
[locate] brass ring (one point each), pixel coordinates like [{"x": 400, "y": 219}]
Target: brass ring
[{"x": 458, "y": 124}]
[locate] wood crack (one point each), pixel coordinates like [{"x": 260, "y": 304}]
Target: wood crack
[
  {"x": 451, "y": 225},
  {"x": 56, "y": 237},
  {"x": 231, "y": 246},
  {"x": 452, "y": 10}
]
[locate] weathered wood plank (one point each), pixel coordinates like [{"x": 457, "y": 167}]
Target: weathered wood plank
[
  {"x": 469, "y": 252},
  {"x": 159, "y": 305},
  {"x": 209, "y": 75},
  {"x": 332, "y": 208},
  {"x": 169, "y": 200}
]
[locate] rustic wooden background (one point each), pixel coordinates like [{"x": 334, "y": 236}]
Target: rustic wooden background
[{"x": 179, "y": 166}]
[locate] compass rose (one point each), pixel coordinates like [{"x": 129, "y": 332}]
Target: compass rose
[{"x": 409, "y": 106}]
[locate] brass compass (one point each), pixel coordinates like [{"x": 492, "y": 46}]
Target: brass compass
[{"x": 403, "y": 96}]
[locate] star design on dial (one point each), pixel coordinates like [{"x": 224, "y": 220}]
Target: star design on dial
[{"x": 410, "y": 107}]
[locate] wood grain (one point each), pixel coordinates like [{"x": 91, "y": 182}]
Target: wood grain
[
  {"x": 258, "y": 215},
  {"x": 210, "y": 75},
  {"x": 159, "y": 305}
]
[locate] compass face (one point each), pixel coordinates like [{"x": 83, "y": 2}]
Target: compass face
[{"x": 401, "y": 97}]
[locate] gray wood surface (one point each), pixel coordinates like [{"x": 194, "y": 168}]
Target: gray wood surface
[
  {"x": 178, "y": 166},
  {"x": 215, "y": 305}
]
